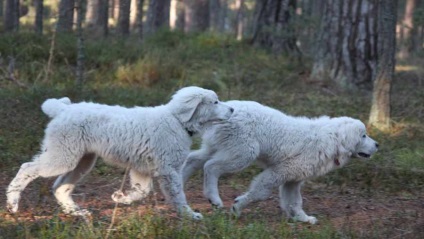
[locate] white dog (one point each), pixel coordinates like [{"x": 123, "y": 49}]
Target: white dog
[
  {"x": 290, "y": 149},
  {"x": 152, "y": 141}
]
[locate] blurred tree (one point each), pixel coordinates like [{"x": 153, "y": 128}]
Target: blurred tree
[
  {"x": 196, "y": 15},
  {"x": 80, "y": 45},
  {"x": 66, "y": 16},
  {"x": 11, "y": 16},
  {"x": 273, "y": 26},
  {"x": 39, "y": 9},
  {"x": 176, "y": 18},
  {"x": 124, "y": 17},
  {"x": 102, "y": 20},
  {"x": 239, "y": 26},
  {"x": 217, "y": 14},
  {"x": 158, "y": 15},
  {"x": 380, "y": 108},
  {"x": 346, "y": 45},
  {"x": 139, "y": 16},
  {"x": 92, "y": 13},
  {"x": 407, "y": 28}
]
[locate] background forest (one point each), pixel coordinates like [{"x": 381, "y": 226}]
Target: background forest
[{"x": 359, "y": 58}]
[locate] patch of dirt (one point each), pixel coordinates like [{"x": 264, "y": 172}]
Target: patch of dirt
[{"x": 394, "y": 215}]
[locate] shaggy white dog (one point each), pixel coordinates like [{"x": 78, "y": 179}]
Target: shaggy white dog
[
  {"x": 152, "y": 141},
  {"x": 290, "y": 149}
]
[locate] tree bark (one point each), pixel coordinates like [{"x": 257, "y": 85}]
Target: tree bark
[
  {"x": 346, "y": 47},
  {"x": 196, "y": 15},
  {"x": 239, "y": 26},
  {"x": 218, "y": 15},
  {"x": 407, "y": 28},
  {"x": 39, "y": 8},
  {"x": 11, "y": 16},
  {"x": 139, "y": 20},
  {"x": 380, "y": 108},
  {"x": 80, "y": 46},
  {"x": 92, "y": 12},
  {"x": 103, "y": 16},
  {"x": 158, "y": 15},
  {"x": 124, "y": 17},
  {"x": 273, "y": 27},
  {"x": 176, "y": 16},
  {"x": 66, "y": 16}
]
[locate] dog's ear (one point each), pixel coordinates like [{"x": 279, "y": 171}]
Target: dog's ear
[
  {"x": 187, "y": 108},
  {"x": 349, "y": 135}
]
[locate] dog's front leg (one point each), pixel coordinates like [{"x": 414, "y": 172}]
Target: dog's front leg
[
  {"x": 291, "y": 202},
  {"x": 172, "y": 187}
]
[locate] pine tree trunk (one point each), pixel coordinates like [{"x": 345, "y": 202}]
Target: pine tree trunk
[
  {"x": 139, "y": 20},
  {"x": 239, "y": 20},
  {"x": 11, "y": 17},
  {"x": 66, "y": 16},
  {"x": 196, "y": 15},
  {"x": 124, "y": 17},
  {"x": 103, "y": 17},
  {"x": 380, "y": 108},
  {"x": 273, "y": 28},
  {"x": 176, "y": 17},
  {"x": 217, "y": 15},
  {"x": 408, "y": 30},
  {"x": 158, "y": 15},
  {"x": 346, "y": 47},
  {"x": 92, "y": 12},
  {"x": 80, "y": 46},
  {"x": 39, "y": 8}
]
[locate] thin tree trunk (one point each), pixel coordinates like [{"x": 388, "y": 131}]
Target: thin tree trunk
[
  {"x": 196, "y": 15},
  {"x": 39, "y": 8},
  {"x": 380, "y": 108},
  {"x": 239, "y": 20},
  {"x": 103, "y": 17},
  {"x": 66, "y": 16},
  {"x": 92, "y": 12},
  {"x": 176, "y": 16},
  {"x": 11, "y": 17},
  {"x": 139, "y": 20},
  {"x": 158, "y": 15},
  {"x": 80, "y": 46},
  {"x": 124, "y": 17}
]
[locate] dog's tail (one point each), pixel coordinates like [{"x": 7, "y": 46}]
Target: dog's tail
[{"x": 53, "y": 107}]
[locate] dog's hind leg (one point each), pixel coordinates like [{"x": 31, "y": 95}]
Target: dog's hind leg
[
  {"x": 41, "y": 166},
  {"x": 195, "y": 161},
  {"x": 260, "y": 189},
  {"x": 222, "y": 162},
  {"x": 141, "y": 185},
  {"x": 291, "y": 202},
  {"x": 65, "y": 184}
]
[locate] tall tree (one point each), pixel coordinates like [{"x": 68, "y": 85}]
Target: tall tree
[
  {"x": 103, "y": 17},
  {"x": 39, "y": 9},
  {"x": 273, "y": 26},
  {"x": 346, "y": 45},
  {"x": 124, "y": 17},
  {"x": 158, "y": 15},
  {"x": 66, "y": 16},
  {"x": 218, "y": 14},
  {"x": 139, "y": 18},
  {"x": 176, "y": 15},
  {"x": 91, "y": 13},
  {"x": 380, "y": 108},
  {"x": 11, "y": 16},
  {"x": 407, "y": 29},
  {"x": 239, "y": 19},
  {"x": 196, "y": 15},
  {"x": 80, "y": 45}
]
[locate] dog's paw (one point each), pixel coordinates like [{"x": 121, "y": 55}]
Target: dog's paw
[
  {"x": 216, "y": 204},
  {"x": 121, "y": 197},
  {"x": 312, "y": 220},
  {"x": 12, "y": 207},
  {"x": 81, "y": 213},
  {"x": 197, "y": 216},
  {"x": 235, "y": 210}
]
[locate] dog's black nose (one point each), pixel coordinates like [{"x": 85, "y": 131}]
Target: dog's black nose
[
  {"x": 232, "y": 110},
  {"x": 376, "y": 145}
]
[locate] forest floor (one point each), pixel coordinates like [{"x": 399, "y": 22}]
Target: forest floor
[{"x": 347, "y": 209}]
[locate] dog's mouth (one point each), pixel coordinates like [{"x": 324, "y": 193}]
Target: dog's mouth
[{"x": 364, "y": 155}]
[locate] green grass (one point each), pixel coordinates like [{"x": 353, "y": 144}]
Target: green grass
[{"x": 130, "y": 72}]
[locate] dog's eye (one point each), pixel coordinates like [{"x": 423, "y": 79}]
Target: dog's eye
[
  {"x": 364, "y": 136},
  {"x": 216, "y": 102}
]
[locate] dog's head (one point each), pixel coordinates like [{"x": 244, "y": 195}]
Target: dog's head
[
  {"x": 354, "y": 138},
  {"x": 198, "y": 106}
]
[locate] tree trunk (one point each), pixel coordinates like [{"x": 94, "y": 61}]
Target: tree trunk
[
  {"x": 176, "y": 16},
  {"x": 39, "y": 8},
  {"x": 124, "y": 17},
  {"x": 66, "y": 16},
  {"x": 196, "y": 15},
  {"x": 346, "y": 47},
  {"x": 139, "y": 20},
  {"x": 380, "y": 108},
  {"x": 273, "y": 27},
  {"x": 218, "y": 14},
  {"x": 407, "y": 28},
  {"x": 80, "y": 46},
  {"x": 103, "y": 16},
  {"x": 239, "y": 19},
  {"x": 158, "y": 15},
  {"x": 11, "y": 16},
  {"x": 92, "y": 12}
]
